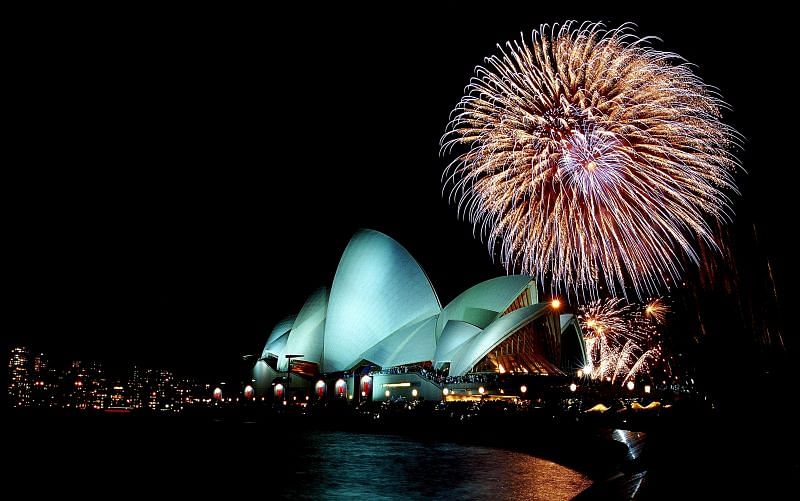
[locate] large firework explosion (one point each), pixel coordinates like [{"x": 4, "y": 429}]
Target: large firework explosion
[
  {"x": 591, "y": 157},
  {"x": 620, "y": 340}
]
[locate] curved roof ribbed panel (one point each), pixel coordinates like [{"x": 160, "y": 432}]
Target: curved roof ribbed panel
[
  {"x": 482, "y": 303},
  {"x": 454, "y": 335},
  {"x": 279, "y": 330},
  {"x": 497, "y": 332},
  {"x": 564, "y": 320},
  {"x": 262, "y": 374},
  {"x": 378, "y": 288},
  {"x": 277, "y": 347},
  {"x": 412, "y": 343},
  {"x": 308, "y": 330},
  {"x": 567, "y": 320}
]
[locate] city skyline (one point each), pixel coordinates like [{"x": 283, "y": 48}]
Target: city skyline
[{"x": 35, "y": 381}]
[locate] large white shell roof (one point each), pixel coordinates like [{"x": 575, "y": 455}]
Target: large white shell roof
[
  {"x": 382, "y": 308},
  {"x": 306, "y": 336},
  {"x": 378, "y": 289},
  {"x": 280, "y": 330},
  {"x": 482, "y": 303}
]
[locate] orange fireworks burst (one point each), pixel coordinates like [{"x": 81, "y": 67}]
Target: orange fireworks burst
[{"x": 589, "y": 156}]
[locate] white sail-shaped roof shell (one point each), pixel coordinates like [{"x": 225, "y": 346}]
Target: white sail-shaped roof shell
[
  {"x": 277, "y": 338},
  {"x": 565, "y": 322},
  {"x": 497, "y": 332},
  {"x": 308, "y": 329},
  {"x": 410, "y": 344},
  {"x": 481, "y": 304},
  {"x": 378, "y": 289},
  {"x": 263, "y": 374},
  {"x": 453, "y": 337}
]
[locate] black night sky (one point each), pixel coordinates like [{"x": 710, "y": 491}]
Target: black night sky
[{"x": 180, "y": 181}]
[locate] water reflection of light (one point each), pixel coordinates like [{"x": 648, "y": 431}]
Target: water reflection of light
[
  {"x": 428, "y": 470},
  {"x": 633, "y": 440}
]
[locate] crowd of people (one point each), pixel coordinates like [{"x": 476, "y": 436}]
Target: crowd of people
[{"x": 440, "y": 377}]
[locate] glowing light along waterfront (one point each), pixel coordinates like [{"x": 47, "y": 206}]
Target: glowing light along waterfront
[{"x": 591, "y": 158}]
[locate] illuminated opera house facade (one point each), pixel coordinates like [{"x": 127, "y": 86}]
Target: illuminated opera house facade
[{"x": 381, "y": 333}]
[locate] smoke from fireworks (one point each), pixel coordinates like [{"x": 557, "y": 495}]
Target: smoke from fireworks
[
  {"x": 620, "y": 342},
  {"x": 589, "y": 156}
]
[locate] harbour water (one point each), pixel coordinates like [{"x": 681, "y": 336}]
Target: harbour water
[
  {"x": 238, "y": 457},
  {"x": 343, "y": 465}
]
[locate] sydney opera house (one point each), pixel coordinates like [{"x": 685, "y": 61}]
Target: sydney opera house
[{"x": 381, "y": 333}]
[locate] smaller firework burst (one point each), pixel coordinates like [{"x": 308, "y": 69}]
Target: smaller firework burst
[
  {"x": 656, "y": 310},
  {"x": 611, "y": 319},
  {"x": 620, "y": 341}
]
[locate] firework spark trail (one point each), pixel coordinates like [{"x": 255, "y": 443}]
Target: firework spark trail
[
  {"x": 641, "y": 363},
  {"x": 627, "y": 352},
  {"x": 589, "y": 156}
]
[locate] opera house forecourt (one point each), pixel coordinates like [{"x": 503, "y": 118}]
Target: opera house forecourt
[{"x": 380, "y": 333}]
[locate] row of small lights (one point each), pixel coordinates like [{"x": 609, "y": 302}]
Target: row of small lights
[
  {"x": 630, "y": 385},
  {"x": 482, "y": 390},
  {"x": 446, "y": 391},
  {"x": 387, "y": 393}
]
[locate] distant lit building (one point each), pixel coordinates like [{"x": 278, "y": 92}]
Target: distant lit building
[
  {"x": 19, "y": 377},
  {"x": 40, "y": 364},
  {"x": 72, "y": 386},
  {"x": 188, "y": 392},
  {"x": 44, "y": 383},
  {"x": 98, "y": 388},
  {"x": 135, "y": 387},
  {"x": 156, "y": 389},
  {"x": 118, "y": 396},
  {"x": 86, "y": 386},
  {"x": 153, "y": 389}
]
